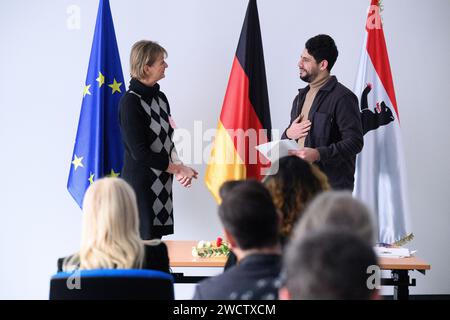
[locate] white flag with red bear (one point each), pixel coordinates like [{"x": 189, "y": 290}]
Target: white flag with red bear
[{"x": 380, "y": 179}]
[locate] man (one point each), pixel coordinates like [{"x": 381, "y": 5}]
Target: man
[
  {"x": 325, "y": 118},
  {"x": 328, "y": 264},
  {"x": 251, "y": 226}
]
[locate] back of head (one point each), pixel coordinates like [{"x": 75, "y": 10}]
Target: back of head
[
  {"x": 227, "y": 186},
  {"x": 322, "y": 47},
  {"x": 328, "y": 264},
  {"x": 110, "y": 236},
  {"x": 337, "y": 209},
  {"x": 292, "y": 186},
  {"x": 248, "y": 213}
]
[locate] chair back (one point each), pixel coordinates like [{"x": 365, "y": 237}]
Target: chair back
[{"x": 112, "y": 284}]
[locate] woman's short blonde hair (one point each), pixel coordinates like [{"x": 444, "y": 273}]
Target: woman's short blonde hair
[
  {"x": 110, "y": 237},
  {"x": 144, "y": 53}
]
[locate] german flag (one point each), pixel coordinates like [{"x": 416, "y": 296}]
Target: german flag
[{"x": 245, "y": 118}]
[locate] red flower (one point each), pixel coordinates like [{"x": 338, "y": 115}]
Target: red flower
[{"x": 219, "y": 241}]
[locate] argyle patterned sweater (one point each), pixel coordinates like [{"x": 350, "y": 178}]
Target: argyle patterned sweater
[{"x": 147, "y": 136}]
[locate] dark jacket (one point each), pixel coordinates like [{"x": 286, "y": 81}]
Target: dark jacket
[
  {"x": 156, "y": 257},
  {"x": 232, "y": 259},
  {"x": 336, "y": 131},
  {"x": 256, "y": 277}
]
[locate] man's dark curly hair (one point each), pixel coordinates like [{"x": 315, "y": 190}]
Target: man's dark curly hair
[{"x": 322, "y": 47}]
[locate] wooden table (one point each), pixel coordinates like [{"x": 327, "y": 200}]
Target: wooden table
[
  {"x": 412, "y": 263},
  {"x": 180, "y": 255},
  {"x": 400, "y": 279}
]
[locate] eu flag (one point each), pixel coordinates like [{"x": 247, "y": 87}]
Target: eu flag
[{"x": 98, "y": 149}]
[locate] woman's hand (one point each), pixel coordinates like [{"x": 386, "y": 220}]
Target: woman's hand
[
  {"x": 187, "y": 172},
  {"x": 185, "y": 181},
  {"x": 183, "y": 174},
  {"x": 186, "y": 175}
]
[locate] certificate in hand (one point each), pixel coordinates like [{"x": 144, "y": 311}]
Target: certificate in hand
[{"x": 275, "y": 150}]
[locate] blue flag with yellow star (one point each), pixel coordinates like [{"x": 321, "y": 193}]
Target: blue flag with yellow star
[{"x": 98, "y": 149}]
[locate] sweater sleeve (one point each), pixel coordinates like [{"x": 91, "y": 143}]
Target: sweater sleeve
[
  {"x": 348, "y": 121},
  {"x": 134, "y": 134},
  {"x": 174, "y": 156}
]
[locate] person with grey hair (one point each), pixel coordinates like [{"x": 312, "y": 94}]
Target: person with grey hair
[
  {"x": 328, "y": 264},
  {"x": 337, "y": 209}
]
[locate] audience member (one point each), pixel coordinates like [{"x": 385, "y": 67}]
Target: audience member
[
  {"x": 295, "y": 183},
  {"x": 251, "y": 226},
  {"x": 337, "y": 209},
  {"x": 110, "y": 235},
  {"x": 328, "y": 264},
  {"x": 290, "y": 192}
]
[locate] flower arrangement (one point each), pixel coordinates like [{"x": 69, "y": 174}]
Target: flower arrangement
[{"x": 206, "y": 249}]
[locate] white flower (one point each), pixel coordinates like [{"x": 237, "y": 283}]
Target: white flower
[{"x": 201, "y": 244}]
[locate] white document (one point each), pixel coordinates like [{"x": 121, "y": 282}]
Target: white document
[
  {"x": 277, "y": 149},
  {"x": 392, "y": 252}
]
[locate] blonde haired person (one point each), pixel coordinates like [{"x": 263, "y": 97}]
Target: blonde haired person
[
  {"x": 110, "y": 235},
  {"x": 146, "y": 125}
]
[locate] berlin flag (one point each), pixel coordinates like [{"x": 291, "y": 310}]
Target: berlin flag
[
  {"x": 380, "y": 179},
  {"x": 245, "y": 118}
]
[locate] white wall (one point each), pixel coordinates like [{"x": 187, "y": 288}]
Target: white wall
[{"x": 43, "y": 67}]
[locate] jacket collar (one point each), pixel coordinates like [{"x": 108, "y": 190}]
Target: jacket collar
[
  {"x": 328, "y": 86},
  {"x": 258, "y": 258}
]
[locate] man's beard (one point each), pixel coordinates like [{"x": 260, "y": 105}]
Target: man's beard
[{"x": 309, "y": 77}]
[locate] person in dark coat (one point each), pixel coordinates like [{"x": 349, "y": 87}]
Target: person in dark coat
[
  {"x": 110, "y": 235},
  {"x": 147, "y": 127},
  {"x": 325, "y": 117},
  {"x": 251, "y": 226}
]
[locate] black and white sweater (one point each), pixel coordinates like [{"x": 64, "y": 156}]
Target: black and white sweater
[{"x": 144, "y": 114}]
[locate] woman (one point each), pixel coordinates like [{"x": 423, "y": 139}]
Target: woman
[
  {"x": 147, "y": 128},
  {"x": 110, "y": 236},
  {"x": 292, "y": 186}
]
